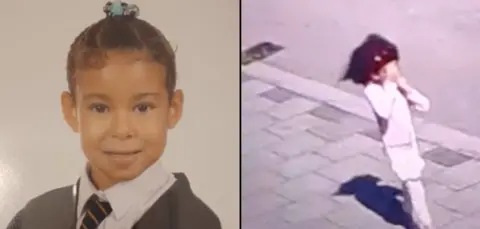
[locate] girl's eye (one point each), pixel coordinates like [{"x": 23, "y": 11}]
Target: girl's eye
[
  {"x": 99, "y": 108},
  {"x": 142, "y": 108}
]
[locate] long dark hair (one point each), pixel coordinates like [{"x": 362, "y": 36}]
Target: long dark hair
[{"x": 368, "y": 58}]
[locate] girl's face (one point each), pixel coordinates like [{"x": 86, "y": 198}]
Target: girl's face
[
  {"x": 388, "y": 72},
  {"x": 122, "y": 114}
]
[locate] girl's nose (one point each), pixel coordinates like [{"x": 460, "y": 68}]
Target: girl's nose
[{"x": 122, "y": 127}]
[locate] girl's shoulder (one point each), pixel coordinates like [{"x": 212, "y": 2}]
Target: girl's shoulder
[{"x": 372, "y": 89}]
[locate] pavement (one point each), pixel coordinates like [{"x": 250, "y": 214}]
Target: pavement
[
  {"x": 438, "y": 40},
  {"x": 311, "y": 159}
]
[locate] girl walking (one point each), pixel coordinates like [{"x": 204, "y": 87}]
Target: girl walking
[{"x": 374, "y": 65}]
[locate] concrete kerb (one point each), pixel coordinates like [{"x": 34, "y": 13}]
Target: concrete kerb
[{"x": 319, "y": 92}]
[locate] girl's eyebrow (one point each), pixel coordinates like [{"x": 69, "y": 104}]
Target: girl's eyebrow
[
  {"x": 146, "y": 94},
  {"x": 95, "y": 96},
  {"x": 105, "y": 97}
]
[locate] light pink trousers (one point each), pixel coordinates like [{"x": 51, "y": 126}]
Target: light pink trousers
[{"x": 408, "y": 165}]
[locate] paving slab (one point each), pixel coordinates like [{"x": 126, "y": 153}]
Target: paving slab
[
  {"x": 310, "y": 150},
  {"x": 307, "y": 185},
  {"x": 292, "y": 107},
  {"x": 469, "y": 222}
]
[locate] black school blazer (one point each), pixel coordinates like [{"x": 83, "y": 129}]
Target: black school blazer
[{"x": 178, "y": 208}]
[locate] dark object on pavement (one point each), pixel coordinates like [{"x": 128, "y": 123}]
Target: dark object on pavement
[{"x": 259, "y": 52}]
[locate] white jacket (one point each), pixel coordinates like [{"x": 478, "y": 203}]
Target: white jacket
[{"x": 393, "y": 113}]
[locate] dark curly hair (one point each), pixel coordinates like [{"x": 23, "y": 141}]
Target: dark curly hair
[
  {"x": 120, "y": 32},
  {"x": 368, "y": 58}
]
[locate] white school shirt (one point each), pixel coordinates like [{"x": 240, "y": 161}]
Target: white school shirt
[
  {"x": 130, "y": 199},
  {"x": 392, "y": 110}
]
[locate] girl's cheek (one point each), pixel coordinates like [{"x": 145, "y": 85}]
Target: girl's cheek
[
  {"x": 381, "y": 76},
  {"x": 376, "y": 79}
]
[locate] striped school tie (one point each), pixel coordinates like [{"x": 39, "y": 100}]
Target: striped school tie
[{"x": 95, "y": 212}]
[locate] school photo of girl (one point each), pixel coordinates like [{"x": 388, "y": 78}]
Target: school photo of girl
[{"x": 121, "y": 120}]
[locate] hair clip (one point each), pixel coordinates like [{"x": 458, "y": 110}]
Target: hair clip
[{"x": 119, "y": 8}]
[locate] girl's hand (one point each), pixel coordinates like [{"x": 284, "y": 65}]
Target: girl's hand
[
  {"x": 392, "y": 77},
  {"x": 403, "y": 85},
  {"x": 391, "y": 71},
  {"x": 401, "y": 81}
]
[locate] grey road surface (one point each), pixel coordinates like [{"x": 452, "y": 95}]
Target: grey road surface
[{"x": 439, "y": 42}]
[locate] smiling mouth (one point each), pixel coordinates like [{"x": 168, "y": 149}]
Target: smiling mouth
[{"x": 122, "y": 153}]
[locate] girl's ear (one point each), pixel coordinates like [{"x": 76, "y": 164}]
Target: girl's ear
[
  {"x": 69, "y": 111},
  {"x": 176, "y": 109}
]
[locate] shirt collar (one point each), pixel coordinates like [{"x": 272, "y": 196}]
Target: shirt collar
[{"x": 127, "y": 194}]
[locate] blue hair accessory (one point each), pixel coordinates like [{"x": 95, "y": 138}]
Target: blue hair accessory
[{"x": 119, "y": 8}]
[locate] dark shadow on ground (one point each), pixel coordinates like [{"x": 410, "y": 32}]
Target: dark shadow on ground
[{"x": 380, "y": 199}]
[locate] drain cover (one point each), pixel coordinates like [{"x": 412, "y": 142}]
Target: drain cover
[{"x": 259, "y": 52}]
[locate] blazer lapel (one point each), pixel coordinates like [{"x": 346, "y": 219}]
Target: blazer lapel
[
  {"x": 67, "y": 214},
  {"x": 160, "y": 215}
]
